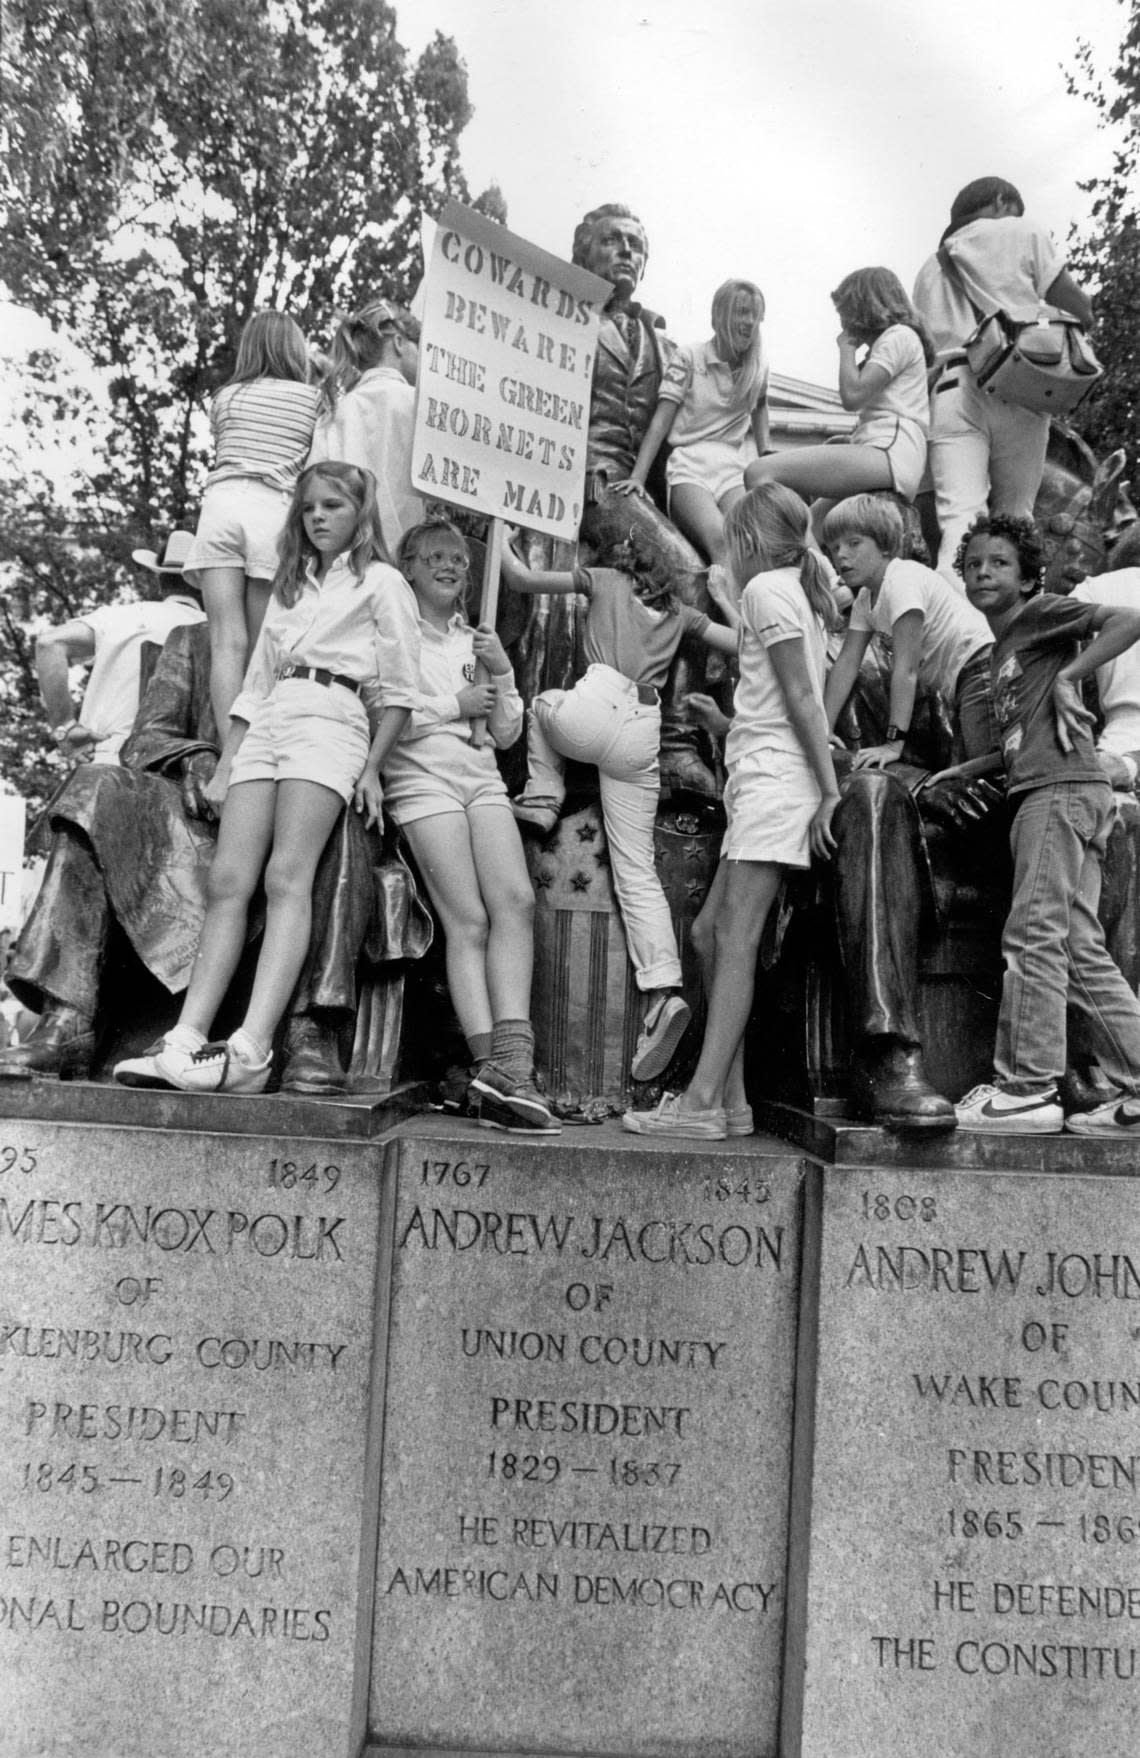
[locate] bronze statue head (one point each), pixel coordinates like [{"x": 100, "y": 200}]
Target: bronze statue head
[{"x": 610, "y": 241}]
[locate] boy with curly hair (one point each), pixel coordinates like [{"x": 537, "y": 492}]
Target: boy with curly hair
[{"x": 1053, "y": 944}]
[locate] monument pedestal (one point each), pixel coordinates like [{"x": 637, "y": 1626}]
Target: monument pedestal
[{"x": 329, "y": 1434}]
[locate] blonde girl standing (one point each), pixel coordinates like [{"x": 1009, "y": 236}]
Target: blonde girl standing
[
  {"x": 329, "y": 689},
  {"x": 780, "y": 797}
]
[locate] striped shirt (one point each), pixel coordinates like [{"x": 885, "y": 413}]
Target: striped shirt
[{"x": 263, "y": 429}]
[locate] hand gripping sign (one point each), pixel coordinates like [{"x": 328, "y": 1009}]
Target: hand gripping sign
[{"x": 503, "y": 394}]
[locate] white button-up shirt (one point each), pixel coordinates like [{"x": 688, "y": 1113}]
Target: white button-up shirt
[
  {"x": 447, "y": 665},
  {"x": 364, "y": 628}
]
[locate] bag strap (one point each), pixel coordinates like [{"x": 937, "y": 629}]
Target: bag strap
[{"x": 954, "y": 275}]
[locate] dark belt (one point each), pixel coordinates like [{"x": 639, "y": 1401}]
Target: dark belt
[
  {"x": 942, "y": 383},
  {"x": 317, "y": 674}
]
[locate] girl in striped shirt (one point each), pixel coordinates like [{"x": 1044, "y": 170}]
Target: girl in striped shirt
[{"x": 262, "y": 422}]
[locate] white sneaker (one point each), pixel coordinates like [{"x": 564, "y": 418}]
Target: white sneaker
[
  {"x": 164, "y": 1063},
  {"x": 990, "y": 1107},
  {"x": 1118, "y": 1116},
  {"x": 658, "y": 1043},
  {"x": 225, "y": 1068}
]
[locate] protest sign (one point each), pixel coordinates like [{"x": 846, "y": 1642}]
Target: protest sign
[{"x": 506, "y": 365}]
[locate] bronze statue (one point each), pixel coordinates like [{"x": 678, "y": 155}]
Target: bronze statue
[
  {"x": 633, "y": 352},
  {"x": 131, "y": 845}
]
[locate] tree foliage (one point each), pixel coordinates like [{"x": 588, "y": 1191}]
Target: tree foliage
[
  {"x": 172, "y": 167},
  {"x": 1107, "y": 257}
]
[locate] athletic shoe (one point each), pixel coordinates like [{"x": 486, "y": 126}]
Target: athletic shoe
[
  {"x": 451, "y": 1095},
  {"x": 164, "y": 1064},
  {"x": 668, "y": 1119},
  {"x": 992, "y": 1108},
  {"x": 499, "y": 1094},
  {"x": 1120, "y": 1116},
  {"x": 739, "y": 1121},
  {"x": 499, "y": 1114},
  {"x": 657, "y": 1045},
  {"x": 221, "y": 1068}
]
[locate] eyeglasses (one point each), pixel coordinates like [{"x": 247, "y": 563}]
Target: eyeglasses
[{"x": 443, "y": 558}]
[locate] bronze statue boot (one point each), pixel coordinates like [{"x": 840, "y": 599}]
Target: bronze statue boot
[
  {"x": 312, "y": 1057},
  {"x": 889, "y": 1087},
  {"x": 60, "y": 1047},
  {"x": 684, "y": 771}
]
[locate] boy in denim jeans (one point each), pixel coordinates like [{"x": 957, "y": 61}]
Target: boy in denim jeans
[{"x": 1053, "y": 944}]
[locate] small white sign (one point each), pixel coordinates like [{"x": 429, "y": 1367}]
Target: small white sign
[{"x": 13, "y": 824}]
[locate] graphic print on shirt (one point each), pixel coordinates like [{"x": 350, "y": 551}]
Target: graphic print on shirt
[{"x": 1007, "y": 704}]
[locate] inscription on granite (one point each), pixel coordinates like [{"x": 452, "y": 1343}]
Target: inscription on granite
[
  {"x": 586, "y": 1464},
  {"x": 975, "y": 1536},
  {"x": 186, "y": 1356}
]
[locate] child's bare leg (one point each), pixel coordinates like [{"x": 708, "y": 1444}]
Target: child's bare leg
[
  {"x": 443, "y": 850},
  {"x": 749, "y": 890},
  {"x": 703, "y": 939},
  {"x": 815, "y": 471},
  {"x": 303, "y": 820},
  {"x": 508, "y": 898},
  {"x": 244, "y": 839},
  {"x": 223, "y": 598},
  {"x": 694, "y": 511},
  {"x": 257, "y": 596}
]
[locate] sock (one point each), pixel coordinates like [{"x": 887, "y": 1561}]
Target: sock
[
  {"x": 479, "y": 1047},
  {"x": 246, "y": 1048},
  {"x": 512, "y": 1048},
  {"x": 185, "y": 1037}
]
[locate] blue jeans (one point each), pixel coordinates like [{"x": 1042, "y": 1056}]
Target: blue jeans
[{"x": 1053, "y": 944}]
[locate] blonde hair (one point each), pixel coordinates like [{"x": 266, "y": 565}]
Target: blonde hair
[
  {"x": 769, "y": 529},
  {"x": 294, "y": 548},
  {"x": 748, "y": 368},
  {"x": 271, "y": 346},
  {"x": 359, "y": 345},
  {"x": 866, "y": 515}
]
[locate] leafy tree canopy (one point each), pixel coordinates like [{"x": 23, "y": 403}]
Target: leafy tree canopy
[
  {"x": 1107, "y": 257},
  {"x": 174, "y": 166}
]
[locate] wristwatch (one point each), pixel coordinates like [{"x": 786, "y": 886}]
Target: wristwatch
[{"x": 896, "y": 734}]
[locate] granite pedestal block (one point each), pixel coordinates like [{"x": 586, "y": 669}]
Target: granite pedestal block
[
  {"x": 189, "y": 1397},
  {"x": 973, "y": 1579},
  {"x": 591, "y": 1367}
]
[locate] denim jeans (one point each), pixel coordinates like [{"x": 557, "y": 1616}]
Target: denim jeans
[
  {"x": 1053, "y": 944},
  {"x": 601, "y": 721}
]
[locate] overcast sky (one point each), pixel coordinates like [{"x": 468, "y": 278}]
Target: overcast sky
[{"x": 786, "y": 141}]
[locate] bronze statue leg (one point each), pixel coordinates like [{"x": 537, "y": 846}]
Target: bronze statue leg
[
  {"x": 879, "y": 895},
  {"x": 59, "y": 955}
]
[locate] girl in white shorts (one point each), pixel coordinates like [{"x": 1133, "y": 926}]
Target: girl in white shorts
[
  {"x": 329, "y": 689},
  {"x": 886, "y": 389},
  {"x": 442, "y": 784},
  {"x": 262, "y": 423},
  {"x": 713, "y": 408},
  {"x": 780, "y": 797}
]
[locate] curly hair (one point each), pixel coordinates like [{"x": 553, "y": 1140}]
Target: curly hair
[
  {"x": 870, "y": 300},
  {"x": 1022, "y": 533},
  {"x": 294, "y": 549}
]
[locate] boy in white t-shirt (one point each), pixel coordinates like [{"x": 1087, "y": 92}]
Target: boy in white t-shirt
[{"x": 937, "y": 638}]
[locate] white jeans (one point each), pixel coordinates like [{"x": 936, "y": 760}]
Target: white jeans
[
  {"x": 983, "y": 453},
  {"x": 601, "y": 721}
]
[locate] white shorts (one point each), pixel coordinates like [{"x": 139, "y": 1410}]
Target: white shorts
[
  {"x": 441, "y": 773},
  {"x": 304, "y": 731},
  {"x": 238, "y": 527},
  {"x": 715, "y": 465},
  {"x": 905, "y": 445},
  {"x": 769, "y": 800}
]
